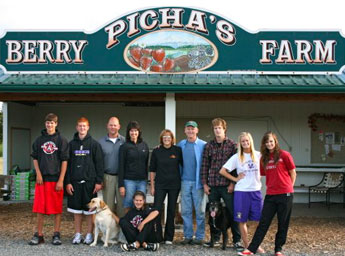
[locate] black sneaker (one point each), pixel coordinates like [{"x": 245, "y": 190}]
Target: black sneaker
[
  {"x": 151, "y": 247},
  {"x": 36, "y": 239},
  {"x": 238, "y": 247},
  {"x": 186, "y": 241},
  {"x": 215, "y": 244},
  {"x": 197, "y": 242},
  {"x": 128, "y": 247},
  {"x": 56, "y": 239}
]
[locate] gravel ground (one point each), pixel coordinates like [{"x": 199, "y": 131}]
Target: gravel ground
[
  {"x": 20, "y": 247},
  {"x": 308, "y": 236}
]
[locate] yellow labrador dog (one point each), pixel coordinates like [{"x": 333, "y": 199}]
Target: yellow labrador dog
[{"x": 105, "y": 221}]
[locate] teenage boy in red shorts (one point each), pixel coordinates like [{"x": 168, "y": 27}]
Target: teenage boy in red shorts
[{"x": 50, "y": 154}]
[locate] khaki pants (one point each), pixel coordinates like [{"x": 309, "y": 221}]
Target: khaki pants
[{"x": 111, "y": 191}]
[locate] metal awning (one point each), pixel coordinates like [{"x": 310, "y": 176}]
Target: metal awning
[{"x": 183, "y": 83}]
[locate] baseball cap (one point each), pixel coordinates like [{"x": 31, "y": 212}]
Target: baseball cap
[{"x": 191, "y": 123}]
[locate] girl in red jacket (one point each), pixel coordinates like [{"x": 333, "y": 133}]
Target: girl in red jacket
[{"x": 279, "y": 168}]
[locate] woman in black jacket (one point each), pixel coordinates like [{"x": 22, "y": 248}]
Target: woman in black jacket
[
  {"x": 134, "y": 156},
  {"x": 166, "y": 179}
]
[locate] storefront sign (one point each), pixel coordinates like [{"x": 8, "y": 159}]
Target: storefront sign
[{"x": 173, "y": 40}]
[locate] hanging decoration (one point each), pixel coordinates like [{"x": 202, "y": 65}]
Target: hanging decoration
[{"x": 328, "y": 117}]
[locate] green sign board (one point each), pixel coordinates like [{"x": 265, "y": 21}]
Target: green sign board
[{"x": 172, "y": 40}]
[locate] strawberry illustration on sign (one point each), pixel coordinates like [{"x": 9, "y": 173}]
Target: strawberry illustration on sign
[
  {"x": 168, "y": 64},
  {"x": 136, "y": 53},
  {"x": 145, "y": 62},
  {"x": 133, "y": 61},
  {"x": 158, "y": 55},
  {"x": 168, "y": 51},
  {"x": 146, "y": 51},
  {"x": 157, "y": 68}
]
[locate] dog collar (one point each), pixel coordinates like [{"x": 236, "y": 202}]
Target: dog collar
[{"x": 101, "y": 210}]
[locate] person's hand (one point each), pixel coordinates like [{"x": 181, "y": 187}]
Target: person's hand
[
  {"x": 39, "y": 179},
  {"x": 141, "y": 226},
  {"x": 231, "y": 188},
  {"x": 59, "y": 186},
  {"x": 207, "y": 189},
  {"x": 122, "y": 191},
  {"x": 240, "y": 176},
  {"x": 97, "y": 188},
  {"x": 69, "y": 189}
]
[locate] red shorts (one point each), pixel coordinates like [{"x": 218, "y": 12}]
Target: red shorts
[{"x": 47, "y": 200}]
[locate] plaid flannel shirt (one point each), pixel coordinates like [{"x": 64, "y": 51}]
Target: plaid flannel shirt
[{"x": 213, "y": 159}]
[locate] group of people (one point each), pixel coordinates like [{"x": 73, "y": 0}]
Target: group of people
[{"x": 118, "y": 166}]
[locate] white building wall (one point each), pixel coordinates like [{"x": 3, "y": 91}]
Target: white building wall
[
  {"x": 288, "y": 119},
  {"x": 151, "y": 119}
]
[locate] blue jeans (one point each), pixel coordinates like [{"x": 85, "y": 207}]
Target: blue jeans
[
  {"x": 131, "y": 187},
  {"x": 191, "y": 196}
]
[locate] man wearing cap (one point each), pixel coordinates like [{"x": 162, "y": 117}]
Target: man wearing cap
[
  {"x": 111, "y": 146},
  {"x": 192, "y": 193},
  {"x": 217, "y": 187}
]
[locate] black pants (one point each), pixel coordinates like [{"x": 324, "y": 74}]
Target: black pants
[
  {"x": 132, "y": 234},
  {"x": 158, "y": 204},
  {"x": 273, "y": 204},
  {"x": 222, "y": 192}
]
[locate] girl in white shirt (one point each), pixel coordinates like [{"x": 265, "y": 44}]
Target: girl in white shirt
[{"x": 247, "y": 195}]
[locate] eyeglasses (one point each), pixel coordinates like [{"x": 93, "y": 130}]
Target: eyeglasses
[{"x": 167, "y": 137}]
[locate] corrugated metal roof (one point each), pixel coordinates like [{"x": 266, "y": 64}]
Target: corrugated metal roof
[{"x": 172, "y": 83}]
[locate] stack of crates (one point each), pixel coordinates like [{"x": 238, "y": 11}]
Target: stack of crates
[
  {"x": 12, "y": 187},
  {"x": 21, "y": 185},
  {"x": 32, "y": 189}
]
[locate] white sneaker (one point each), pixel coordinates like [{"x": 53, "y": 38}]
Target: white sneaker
[
  {"x": 77, "y": 239},
  {"x": 168, "y": 242},
  {"x": 88, "y": 239}
]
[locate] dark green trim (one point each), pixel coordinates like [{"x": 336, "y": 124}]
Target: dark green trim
[{"x": 201, "y": 83}]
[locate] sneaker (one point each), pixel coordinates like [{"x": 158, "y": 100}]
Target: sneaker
[
  {"x": 238, "y": 247},
  {"x": 197, "y": 242},
  {"x": 279, "y": 254},
  {"x": 128, "y": 247},
  {"x": 36, "y": 239},
  {"x": 77, "y": 239},
  {"x": 151, "y": 247},
  {"x": 56, "y": 239},
  {"x": 88, "y": 239},
  {"x": 246, "y": 252},
  {"x": 215, "y": 244},
  {"x": 186, "y": 241},
  {"x": 167, "y": 242}
]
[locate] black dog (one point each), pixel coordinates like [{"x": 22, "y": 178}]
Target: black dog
[{"x": 218, "y": 220}]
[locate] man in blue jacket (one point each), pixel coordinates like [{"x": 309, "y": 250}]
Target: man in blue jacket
[{"x": 192, "y": 192}]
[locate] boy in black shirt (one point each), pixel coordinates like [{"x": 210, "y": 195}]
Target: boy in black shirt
[
  {"x": 138, "y": 226},
  {"x": 50, "y": 154},
  {"x": 84, "y": 178}
]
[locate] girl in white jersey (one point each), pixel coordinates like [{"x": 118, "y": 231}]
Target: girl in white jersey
[{"x": 247, "y": 195}]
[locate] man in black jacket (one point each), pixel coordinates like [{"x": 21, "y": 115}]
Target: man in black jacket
[{"x": 84, "y": 178}]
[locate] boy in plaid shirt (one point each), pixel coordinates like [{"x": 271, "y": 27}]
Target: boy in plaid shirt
[{"x": 215, "y": 155}]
